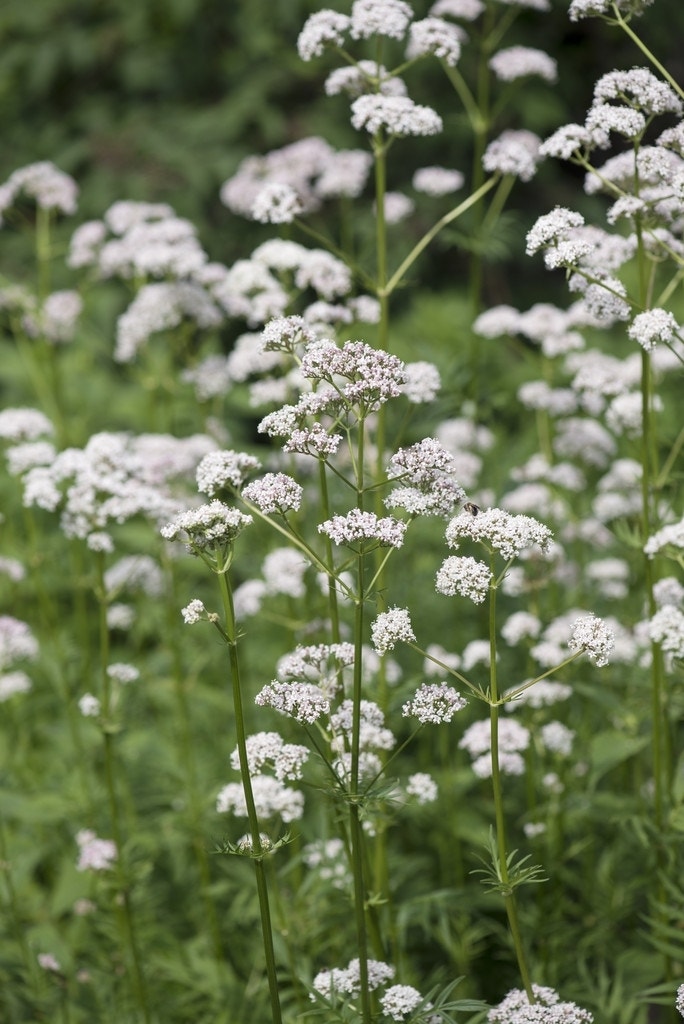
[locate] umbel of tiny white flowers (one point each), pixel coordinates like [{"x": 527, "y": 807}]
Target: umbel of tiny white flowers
[{"x": 209, "y": 531}]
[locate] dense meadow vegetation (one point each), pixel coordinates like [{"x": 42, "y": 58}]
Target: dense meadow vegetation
[{"x": 342, "y": 621}]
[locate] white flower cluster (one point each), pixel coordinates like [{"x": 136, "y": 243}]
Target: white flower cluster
[
  {"x": 272, "y": 799},
  {"x": 466, "y": 576},
  {"x": 548, "y": 1009},
  {"x": 94, "y": 854},
  {"x": 435, "y": 36},
  {"x": 591, "y": 635},
  {"x": 194, "y": 612},
  {"x": 310, "y": 167},
  {"x": 305, "y": 702},
  {"x": 427, "y": 469},
  {"x": 390, "y": 628},
  {"x": 513, "y": 738},
  {"x": 275, "y": 493},
  {"x": 595, "y": 8},
  {"x": 366, "y": 76},
  {"x": 515, "y": 153},
  {"x": 113, "y": 479},
  {"x": 437, "y": 181},
  {"x": 221, "y": 469},
  {"x": 422, "y": 787},
  {"x": 435, "y": 703},
  {"x": 357, "y": 526},
  {"x": 520, "y": 61},
  {"x": 398, "y": 115},
  {"x": 509, "y": 535},
  {"x": 666, "y": 628},
  {"x": 372, "y": 376},
  {"x": 50, "y": 188},
  {"x": 652, "y": 326},
  {"x": 276, "y": 203},
  {"x": 287, "y": 760},
  {"x": 671, "y": 535},
  {"x": 56, "y": 319},
  {"x": 341, "y": 982},
  {"x": 209, "y": 526},
  {"x": 17, "y": 642},
  {"x": 24, "y": 424}
]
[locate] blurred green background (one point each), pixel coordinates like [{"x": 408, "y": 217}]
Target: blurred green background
[{"x": 161, "y": 99}]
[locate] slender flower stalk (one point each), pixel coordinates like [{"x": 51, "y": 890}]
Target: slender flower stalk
[
  {"x": 257, "y": 850},
  {"x": 109, "y": 731},
  {"x": 506, "y": 888}
]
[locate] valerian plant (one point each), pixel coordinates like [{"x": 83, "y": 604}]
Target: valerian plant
[{"x": 375, "y": 572}]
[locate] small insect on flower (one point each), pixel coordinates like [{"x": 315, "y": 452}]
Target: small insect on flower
[{"x": 471, "y": 507}]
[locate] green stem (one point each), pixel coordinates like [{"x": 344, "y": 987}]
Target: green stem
[
  {"x": 355, "y": 829},
  {"x": 624, "y": 25},
  {"x": 130, "y": 936},
  {"x": 257, "y": 850},
  {"x": 421, "y": 245},
  {"x": 187, "y": 759},
  {"x": 509, "y": 894}
]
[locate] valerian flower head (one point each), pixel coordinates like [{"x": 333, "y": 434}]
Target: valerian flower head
[
  {"x": 380, "y": 17},
  {"x": 194, "y": 612},
  {"x": 360, "y": 526},
  {"x": 668, "y": 536},
  {"x": 222, "y": 469},
  {"x": 464, "y": 10},
  {"x": 422, "y": 787},
  {"x": 591, "y": 635},
  {"x": 271, "y": 797},
  {"x": 592, "y": 8},
  {"x": 372, "y": 376},
  {"x": 423, "y": 384},
  {"x": 390, "y": 628},
  {"x": 437, "y": 181},
  {"x": 666, "y": 628},
  {"x": 344, "y": 982},
  {"x": 94, "y": 854},
  {"x": 434, "y": 702},
  {"x": 321, "y": 29},
  {"x": 508, "y": 534},
  {"x": 51, "y": 188},
  {"x": 399, "y": 1001},
  {"x": 365, "y": 77},
  {"x": 276, "y": 203},
  {"x": 305, "y": 702},
  {"x": 467, "y": 576},
  {"x": 398, "y": 115},
  {"x": 285, "y": 333},
  {"x": 24, "y": 424},
  {"x": 207, "y": 527},
  {"x": 639, "y": 88},
  {"x": 274, "y": 493},
  {"x": 435, "y": 36},
  {"x": 268, "y": 748},
  {"x": 551, "y": 228},
  {"x": 548, "y": 1009},
  {"x": 520, "y": 61},
  {"x": 653, "y": 326},
  {"x": 514, "y": 152}
]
